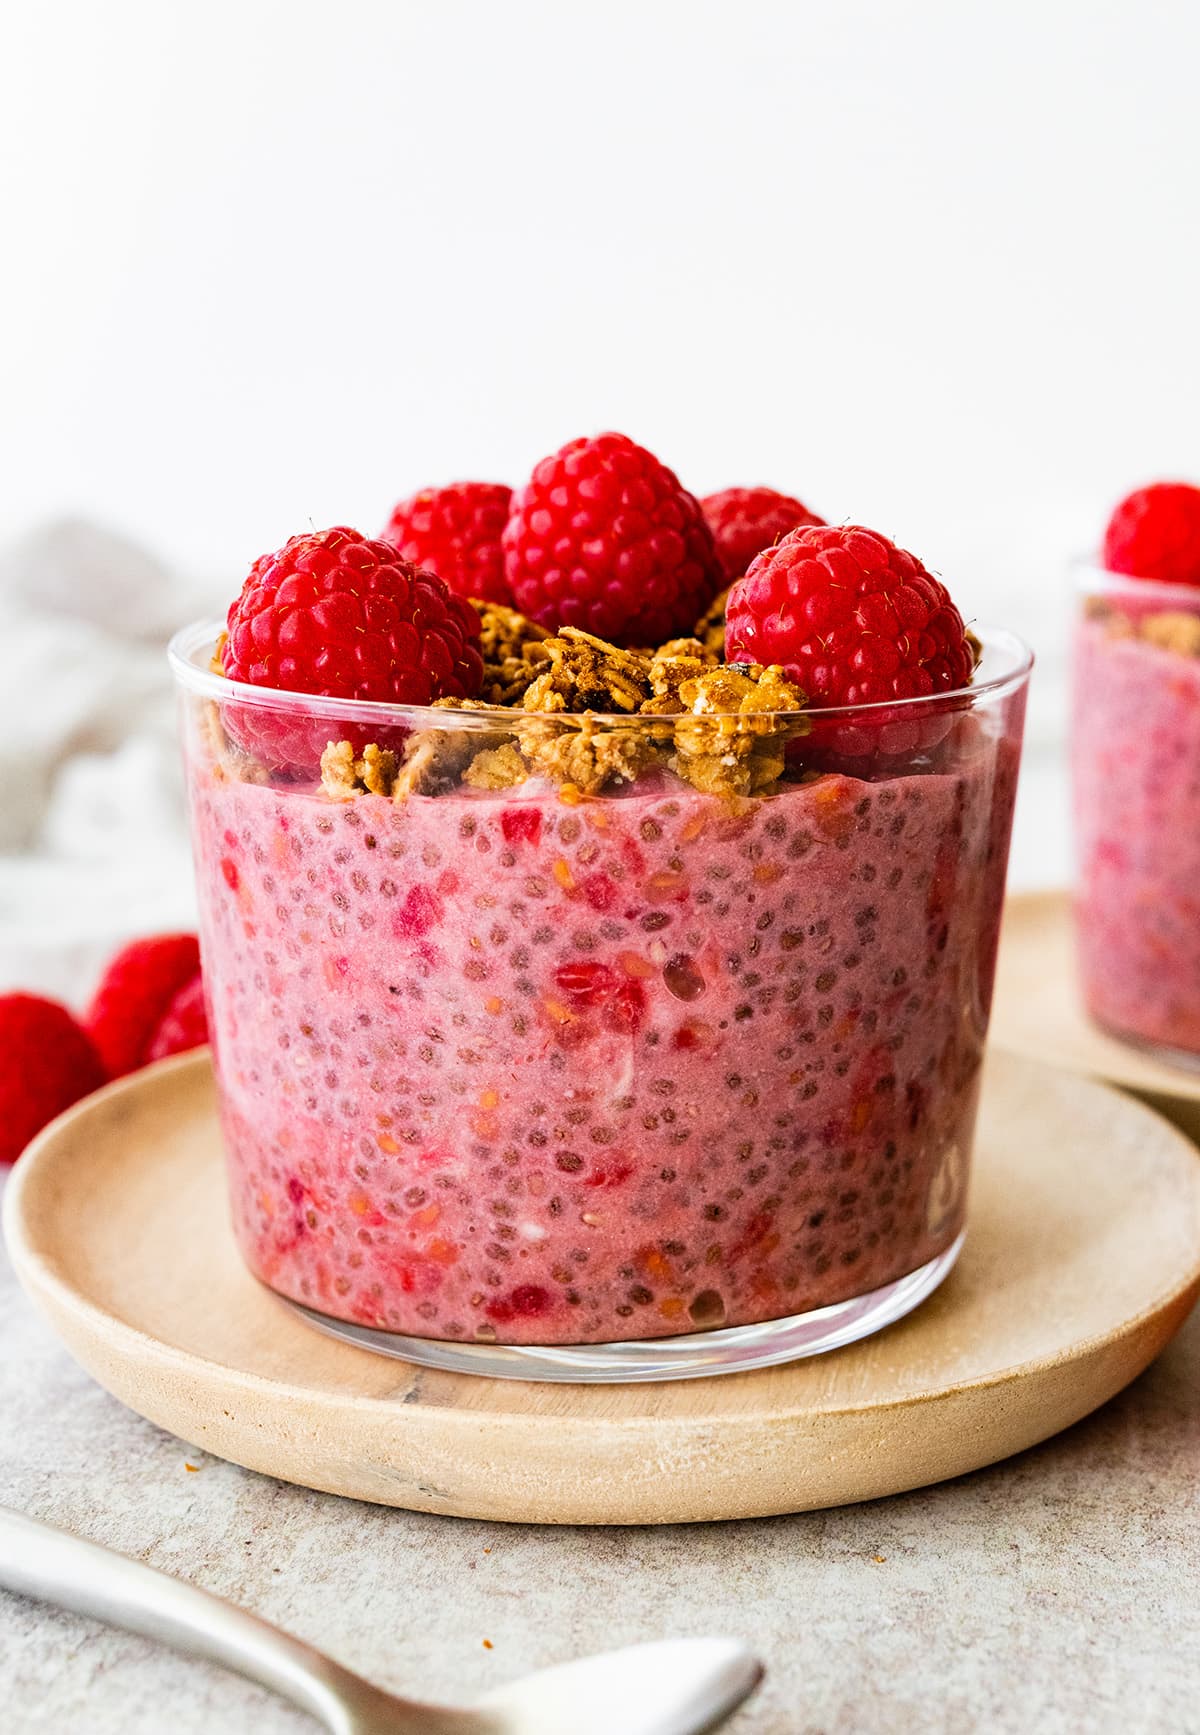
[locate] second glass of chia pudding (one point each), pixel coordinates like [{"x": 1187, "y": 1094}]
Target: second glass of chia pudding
[
  {"x": 1136, "y": 768},
  {"x": 624, "y": 1020}
]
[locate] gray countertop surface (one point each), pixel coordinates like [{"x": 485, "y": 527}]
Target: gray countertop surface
[{"x": 1057, "y": 1592}]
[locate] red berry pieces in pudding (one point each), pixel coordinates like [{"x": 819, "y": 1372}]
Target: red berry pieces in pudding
[
  {"x": 745, "y": 521},
  {"x": 850, "y": 617},
  {"x": 134, "y": 996},
  {"x": 49, "y": 1063},
  {"x": 604, "y": 537},
  {"x": 1155, "y": 533},
  {"x": 455, "y": 531},
  {"x": 337, "y": 614}
]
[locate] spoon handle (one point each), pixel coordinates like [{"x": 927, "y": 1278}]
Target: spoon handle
[{"x": 56, "y": 1567}]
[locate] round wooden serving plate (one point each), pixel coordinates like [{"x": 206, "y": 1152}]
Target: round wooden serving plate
[
  {"x": 1082, "y": 1259},
  {"x": 1037, "y": 1012}
]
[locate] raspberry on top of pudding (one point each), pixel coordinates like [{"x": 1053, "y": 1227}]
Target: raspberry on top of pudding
[
  {"x": 337, "y": 615},
  {"x": 852, "y": 617},
  {"x": 746, "y": 521},
  {"x": 455, "y": 531},
  {"x": 603, "y": 536},
  {"x": 1154, "y": 533}
]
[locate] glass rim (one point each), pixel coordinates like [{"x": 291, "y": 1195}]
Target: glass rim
[
  {"x": 1093, "y": 578},
  {"x": 1014, "y": 657}
]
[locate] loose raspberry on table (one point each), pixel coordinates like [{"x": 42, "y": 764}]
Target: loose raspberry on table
[
  {"x": 745, "y": 521},
  {"x": 1155, "y": 533},
  {"x": 49, "y": 1063},
  {"x": 455, "y": 531},
  {"x": 136, "y": 994},
  {"x": 336, "y": 614},
  {"x": 850, "y": 617},
  {"x": 605, "y": 537},
  {"x": 184, "y": 1024}
]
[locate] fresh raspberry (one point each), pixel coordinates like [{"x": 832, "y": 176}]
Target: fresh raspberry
[
  {"x": 604, "y": 537},
  {"x": 134, "y": 996},
  {"x": 337, "y": 614},
  {"x": 49, "y": 1063},
  {"x": 853, "y": 619},
  {"x": 744, "y": 521},
  {"x": 183, "y": 1025},
  {"x": 1155, "y": 533},
  {"x": 455, "y": 531}
]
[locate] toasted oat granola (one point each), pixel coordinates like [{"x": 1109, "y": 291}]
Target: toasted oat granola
[
  {"x": 710, "y": 628},
  {"x": 1169, "y": 629},
  {"x": 431, "y": 761},
  {"x": 586, "y": 674},
  {"x": 723, "y": 728},
  {"x": 678, "y": 661},
  {"x": 587, "y": 753},
  {"x": 344, "y": 776},
  {"x": 1173, "y": 630},
  {"x": 512, "y": 652},
  {"x": 501, "y": 767},
  {"x": 434, "y": 760},
  {"x": 587, "y": 716},
  {"x": 505, "y": 633},
  {"x": 739, "y": 718}
]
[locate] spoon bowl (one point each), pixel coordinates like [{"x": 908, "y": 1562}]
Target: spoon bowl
[{"x": 669, "y": 1687}]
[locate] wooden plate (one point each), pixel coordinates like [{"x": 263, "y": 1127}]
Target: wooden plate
[
  {"x": 1082, "y": 1259},
  {"x": 1038, "y": 1012}
]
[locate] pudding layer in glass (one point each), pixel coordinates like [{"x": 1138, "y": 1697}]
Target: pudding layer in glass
[{"x": 530, "y": 1066}]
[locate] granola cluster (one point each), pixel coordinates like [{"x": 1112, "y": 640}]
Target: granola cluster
[
  {"x": 589, "y": 716},
  {"x": 1173, "y": 630},
  {"x": 1169, "y": 629},
  {"x": 343, "y": 775},
  {"x": 517, "y": 652},
  {"x": 586, "y": 674},
  {"x": 710, "y": 628},
  {"x": 728, "y": 739},
  {"x": 512, "y": 653}
]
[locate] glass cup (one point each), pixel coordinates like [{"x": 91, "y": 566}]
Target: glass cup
[
  {"x": 1136, "y": 771},
  {"x": 546, "y": 1049}
]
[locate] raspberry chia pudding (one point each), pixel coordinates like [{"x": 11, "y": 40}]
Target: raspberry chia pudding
[
  {"x": 636, "y": 998},
  {"x": 1136, "y": 759},
  {"x": 1136, "y": 771}
]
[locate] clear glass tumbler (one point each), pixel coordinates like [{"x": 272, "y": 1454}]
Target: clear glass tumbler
[
  {"x": 1136, "y": 766},
  {"x": 641, "y": 1083}
]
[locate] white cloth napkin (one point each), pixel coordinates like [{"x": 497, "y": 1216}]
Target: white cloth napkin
[{"x": 93, "y": 833}]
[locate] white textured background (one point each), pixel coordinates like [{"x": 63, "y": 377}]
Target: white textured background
[{"x": 932, "y": 266}]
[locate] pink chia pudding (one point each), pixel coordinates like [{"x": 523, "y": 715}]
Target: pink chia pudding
[
  {"x": 1136, "y": 759},
  {"x": 526, "y": 1067}
]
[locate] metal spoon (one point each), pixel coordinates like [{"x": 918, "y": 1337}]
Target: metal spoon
[{"x": 673, "y": 1687}]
